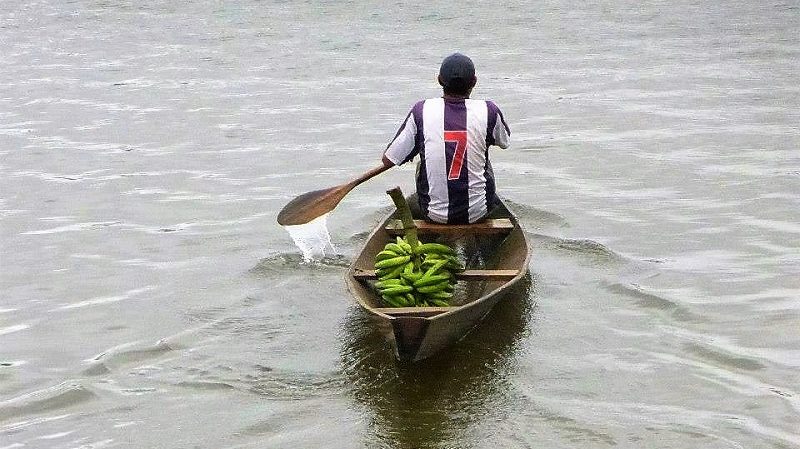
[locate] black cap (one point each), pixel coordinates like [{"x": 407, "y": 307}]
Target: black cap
[{"x": 456, "y": 72}]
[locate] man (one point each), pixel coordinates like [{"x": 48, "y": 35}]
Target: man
[{"x": 452, "y": 135}]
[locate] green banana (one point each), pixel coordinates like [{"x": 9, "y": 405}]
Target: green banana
[
  {"x": 403, "y": 243},
  {"x": 433, "y": 288},
  {"x": 430, "y": 280},
  {"x": 397, "y": 289},
  {"x": 435, "y": 268},
  {"x": 391, "y": 273},
  {"x": 386, "y": 254},
  {"x": 431, "y": 258},
  {"x": 399, "y": 250},
  {"x": 412, "y": 277},
  {"x": 454, "y": 264},
  {"x": 427, "y": 263},
  {"x": 442, "y": 295},
  {"x": 403, "y": 300},
  {"x": 393, "y": 262},
  {"x": 393, "y": 301},
  {"x": 434, "y": 248},
  {"x": 388, "y": 283}
]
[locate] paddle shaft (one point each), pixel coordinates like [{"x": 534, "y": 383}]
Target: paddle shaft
[{"x": 369, "y": 175}]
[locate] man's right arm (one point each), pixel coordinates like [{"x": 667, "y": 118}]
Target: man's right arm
[{"x": 501, "y": 134}]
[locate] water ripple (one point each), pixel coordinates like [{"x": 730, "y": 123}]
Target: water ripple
[
  {"x": 47, "y": 400},
  {"x": 105, "y": 299}
]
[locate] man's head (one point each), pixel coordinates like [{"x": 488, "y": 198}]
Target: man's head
[{"x": 457, "y": 75}]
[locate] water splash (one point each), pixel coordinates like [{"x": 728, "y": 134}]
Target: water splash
[{"x": 312, "y": 238}]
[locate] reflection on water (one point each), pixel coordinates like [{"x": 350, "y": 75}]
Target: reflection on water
[{"x": 431, "y": 403}]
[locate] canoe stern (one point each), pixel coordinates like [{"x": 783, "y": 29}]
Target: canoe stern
[{"x": 409, "y": 333}]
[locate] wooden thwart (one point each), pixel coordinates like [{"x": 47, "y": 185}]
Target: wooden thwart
[
  {"x": 495, "y": 226},
  {"x": 468, "y": 275},
  {"x": 413, "y": 311},
  {"x": 487, "y": 275}
]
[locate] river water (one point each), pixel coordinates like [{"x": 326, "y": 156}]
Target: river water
[{"x": 149, "y": 299}]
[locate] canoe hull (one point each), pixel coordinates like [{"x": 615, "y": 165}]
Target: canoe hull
[{"x": 412, "y": 333}]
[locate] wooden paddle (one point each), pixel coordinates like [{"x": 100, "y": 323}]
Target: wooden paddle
[{"x": 311, "y": 205}]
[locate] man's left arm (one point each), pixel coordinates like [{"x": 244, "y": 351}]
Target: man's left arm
[{"x": 403, "y": 147}]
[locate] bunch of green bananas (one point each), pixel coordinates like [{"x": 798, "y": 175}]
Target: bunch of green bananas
[{"x": 416, "y": 277}]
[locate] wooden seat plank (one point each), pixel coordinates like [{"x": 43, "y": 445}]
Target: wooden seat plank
[{"x": 495, "y": 226}]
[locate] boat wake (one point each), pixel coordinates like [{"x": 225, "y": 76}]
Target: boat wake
[
  {"x": 583, "y": 247},
  {"x": 533, "y": 218},
  {"x": 280, "y": 263}
]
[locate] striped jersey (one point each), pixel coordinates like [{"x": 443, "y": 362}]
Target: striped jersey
[{"x": 455, "y": 182}]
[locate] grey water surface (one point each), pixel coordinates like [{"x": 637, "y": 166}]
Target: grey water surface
[{"x": 148, "y": 299}]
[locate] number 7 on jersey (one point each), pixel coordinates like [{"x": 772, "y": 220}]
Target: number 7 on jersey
[{"x": 460, "y": 139}]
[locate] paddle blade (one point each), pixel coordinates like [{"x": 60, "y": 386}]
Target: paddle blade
[{"x": 311, "y": 205}]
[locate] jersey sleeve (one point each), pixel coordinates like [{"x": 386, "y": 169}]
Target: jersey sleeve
[
  {"x": 499, "y": 133},
  {"x": 403, "y": 147}
]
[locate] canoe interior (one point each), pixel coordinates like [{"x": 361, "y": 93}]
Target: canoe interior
[{"x": 502, "y": 247}]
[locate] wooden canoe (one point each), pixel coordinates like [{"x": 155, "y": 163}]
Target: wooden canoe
[{"x": 496, "y": 252}]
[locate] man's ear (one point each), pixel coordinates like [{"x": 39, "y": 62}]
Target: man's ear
[
  {"x": 474, "y": 81},
  {"x": 439, "y": 79}
]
